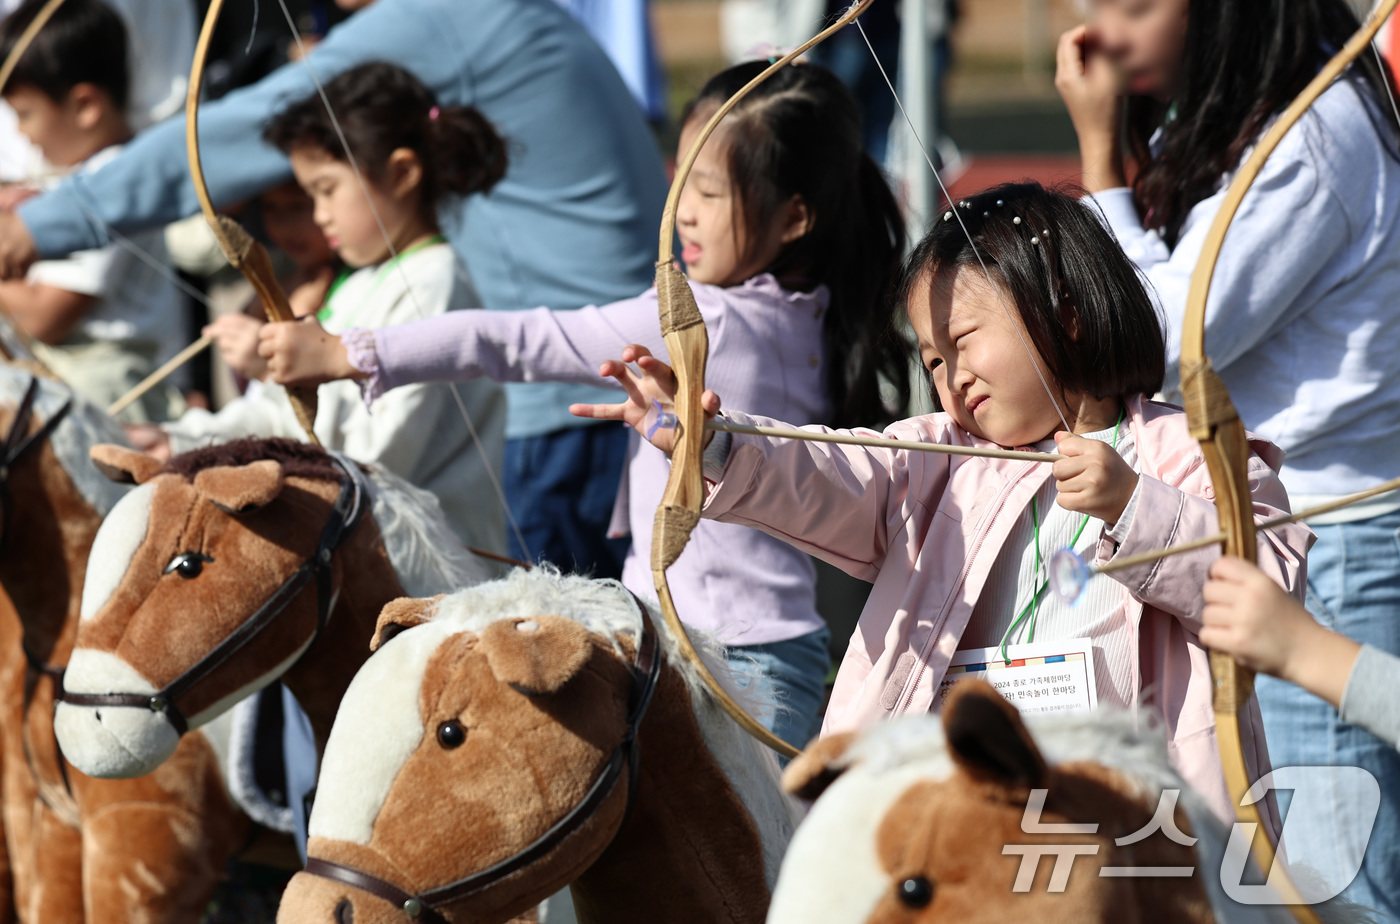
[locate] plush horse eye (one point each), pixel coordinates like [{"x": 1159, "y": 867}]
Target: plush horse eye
[
  {"x": 188, "y": 565},
  {"x": 916, "y": 892},
  {"x": 451, "y": 734}
]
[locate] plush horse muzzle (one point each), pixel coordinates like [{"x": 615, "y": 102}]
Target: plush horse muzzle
[{"x": 111, "y": 742}]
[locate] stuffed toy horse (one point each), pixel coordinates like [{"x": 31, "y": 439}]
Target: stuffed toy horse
[
  {"x": 83, "y": 849},
  {"x": 524, "y": 734},
  {"x": 922, "y": 820},
  {"x": 230, "y": 567}
]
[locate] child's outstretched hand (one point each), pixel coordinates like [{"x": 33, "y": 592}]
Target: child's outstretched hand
[
  {"x": 302, "y": 353},
  {"x": 1092, "y": 478},
  {"x": 1254, "y": 620},
  {"x": 236, "y": 336},
  {"x": 656, "y": 386}
]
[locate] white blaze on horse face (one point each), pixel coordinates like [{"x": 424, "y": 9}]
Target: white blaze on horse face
[
  {"x": 377, "y": 729},
  {"x": 111, "y": 742},
  {"x": 114, "y": 547},
  {"x": 832, "y": 872}
]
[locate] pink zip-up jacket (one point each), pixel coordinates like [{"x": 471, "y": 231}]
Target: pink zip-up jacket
[{"x": 925, "y": 529}]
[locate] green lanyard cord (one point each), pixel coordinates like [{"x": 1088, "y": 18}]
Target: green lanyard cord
[{"x": 1032, "y": 608}]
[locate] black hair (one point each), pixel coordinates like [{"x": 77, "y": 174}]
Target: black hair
[
  {"x": 381, "y": 108},
  {"x": 798, "y": 134},
  {"x": 1057, "y": 266},
  {"x": 1245, "y": 60},
  {"x": 84, "y": 41}
]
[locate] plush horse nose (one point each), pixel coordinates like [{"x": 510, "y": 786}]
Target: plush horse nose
[
  {"x": 114, "y": 742},
  {"x": 111, "y": 742}
]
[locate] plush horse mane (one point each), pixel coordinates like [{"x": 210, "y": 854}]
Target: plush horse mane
[
  {"x": 86, "y": 426},
  {"x": 608, "y": 609},
  {"x": 426, "y": 554}
]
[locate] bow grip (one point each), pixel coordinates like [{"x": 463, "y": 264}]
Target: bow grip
[{"x": 688, "y": 346}]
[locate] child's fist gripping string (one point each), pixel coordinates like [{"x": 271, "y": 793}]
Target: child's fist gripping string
[
  {"x": 1092, "y": 478},
  {"x": 650, "y": 396},
  {"x": 1254, "y": 620}
]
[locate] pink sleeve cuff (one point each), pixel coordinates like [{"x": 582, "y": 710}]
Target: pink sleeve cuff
[{"x": 361, "y": 353}]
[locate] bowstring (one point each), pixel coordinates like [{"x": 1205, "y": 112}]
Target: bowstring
[
  {"x": 398, "y": 267},
  {"x": 956, "y": 212},
  {"x": 1385, "y": 79}
]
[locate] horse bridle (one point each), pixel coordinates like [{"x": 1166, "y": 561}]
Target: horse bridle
[
  {"x": 423, "y": 906},
  {"x": 345, "y": 515},
  {"x": 18, "y": 442}
]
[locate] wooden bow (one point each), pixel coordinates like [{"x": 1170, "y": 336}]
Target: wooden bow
[
  {"x": 245, "y": 254},
  {"x": 688, "y": 345},
  {"x": 1216, "y": 424}
]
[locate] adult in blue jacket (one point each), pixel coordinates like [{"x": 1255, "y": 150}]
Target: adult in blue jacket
[{"x": 573, "y": 223}]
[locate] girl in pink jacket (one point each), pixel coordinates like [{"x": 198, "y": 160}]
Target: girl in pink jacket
[{"x": 1053, "y": 347}]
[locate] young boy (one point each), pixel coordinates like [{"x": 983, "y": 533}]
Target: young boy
[{"x": 103, "y": 318}]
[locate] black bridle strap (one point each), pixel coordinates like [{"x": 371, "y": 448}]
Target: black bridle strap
[
  {"x": 344, "y": 517},
  {"x": 423, "y": 906},
  {"x": 17, "y": 442}
]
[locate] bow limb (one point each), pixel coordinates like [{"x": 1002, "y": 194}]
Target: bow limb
[
  {"x": 688, "y": 345},
  {"x": 240, "y": 249},
  {"x": 1216, "y": 424}
]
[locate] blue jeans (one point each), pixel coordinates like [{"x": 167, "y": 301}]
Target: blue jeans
[
  {"x": 791, "y": 678},
  {"x": 561, "y": 487},
  {"x": 1354, "y": 589}
]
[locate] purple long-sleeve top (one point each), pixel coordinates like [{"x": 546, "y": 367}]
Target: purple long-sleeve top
[{"x": 766, "y": 357}]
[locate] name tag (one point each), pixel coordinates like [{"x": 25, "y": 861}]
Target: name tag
[{"x": 1040, "y": 677}]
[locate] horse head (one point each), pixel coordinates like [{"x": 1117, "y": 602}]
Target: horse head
[
  {"x": 517, "y": 737},
  {"x": 205, "y": 583},
  {"x": 921, "y": 821}
]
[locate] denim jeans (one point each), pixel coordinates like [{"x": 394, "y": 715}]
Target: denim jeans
[
  {"x": 1353, "y": 588},
  {"x": 561, "y": 488},
  {"x": 791, "y": 683}
]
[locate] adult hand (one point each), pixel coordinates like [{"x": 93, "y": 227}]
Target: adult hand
[
  {"x": 649, "y": 396},
  {"x": 12, "y": 194},
  {"x": 307, "y": 298},
  {"x": 1092, "y": 90},
  {"x": 17, "y": 250}
]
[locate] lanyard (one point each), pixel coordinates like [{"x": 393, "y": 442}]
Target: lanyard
[
  {"x": 1032, "y": 608},
  {"x": 327, "y": 310}
]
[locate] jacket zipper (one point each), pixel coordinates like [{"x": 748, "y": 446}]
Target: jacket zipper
[{"x": 922, "y": 663}]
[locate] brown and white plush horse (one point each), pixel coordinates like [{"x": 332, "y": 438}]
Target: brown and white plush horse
[
  {"x": 925, "y": 820},
  {"x": 230, "y": 567},
  {"x": 83, "y": 849},
  {"x": 524, "y": 734}
]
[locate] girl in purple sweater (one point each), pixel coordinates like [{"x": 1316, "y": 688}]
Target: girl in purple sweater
[{"x": 790, "y": 236}]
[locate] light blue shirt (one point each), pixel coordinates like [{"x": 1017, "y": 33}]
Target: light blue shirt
[
  {"x": 573, "y": 223},
  {"x": 1303, "y": 322}
]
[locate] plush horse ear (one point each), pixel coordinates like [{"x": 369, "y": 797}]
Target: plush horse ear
[
  {"x": 536, "y": 656},
  {"x": 987, "y": 738},
  {"x": 241, "y": 488},
  {"x": 400, "y": 614},
  {"x": 816, "y": 768},
  {"x": 123, "y": 465}
]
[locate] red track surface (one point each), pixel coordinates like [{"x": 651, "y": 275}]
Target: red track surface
[{"x": 983, "y": 170}]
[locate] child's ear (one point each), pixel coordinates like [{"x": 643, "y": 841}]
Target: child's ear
[
  {"x": 800, "y": 220},
  {"x": 88, "y": 103},
  {"x": 405, "y": 172}
]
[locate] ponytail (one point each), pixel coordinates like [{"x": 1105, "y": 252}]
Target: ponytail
[
  {"x": 463, "y": 155},
  {"x": 382, "y": 108}
]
